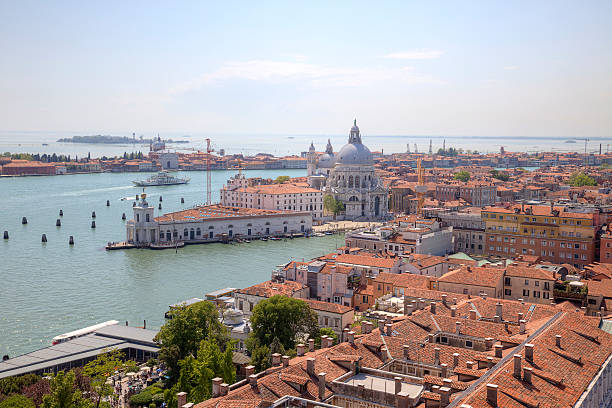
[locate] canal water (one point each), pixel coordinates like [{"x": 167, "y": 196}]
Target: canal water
[{"x": 49, "y": 289}]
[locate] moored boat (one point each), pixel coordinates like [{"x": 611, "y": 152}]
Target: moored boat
[{"x": 161, "y": 179}]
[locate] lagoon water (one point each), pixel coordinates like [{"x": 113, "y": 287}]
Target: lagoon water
[{"x": 49, "y": 289}]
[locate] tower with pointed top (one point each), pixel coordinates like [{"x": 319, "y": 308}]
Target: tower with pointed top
[
  {"x": 430, "y": 147},
  {"x": 407, "y": 147},
  {"x": 311, "y": 159}
]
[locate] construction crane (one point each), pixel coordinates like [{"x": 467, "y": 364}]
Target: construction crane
[
  {"x": 420, "y": 188},
  {"x": 209, "y": 150}
]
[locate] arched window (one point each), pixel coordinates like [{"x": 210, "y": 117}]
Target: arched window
[
  {"x": 211, "y": 227},
  {"x": 350, "y": 181},
  {"x": 230, "y": 226},
  {"x": 353, "y": 199},
  {"x": 249, "y": 225},
  {"x": 137, "y": 217},
  {"x": 285, "y": 222},
  {"x": 357, "y": 181},
  {"x": 198, "y": 232},
  {"x": 185, "y": 233},
  {"x": 268, "y": 223}
]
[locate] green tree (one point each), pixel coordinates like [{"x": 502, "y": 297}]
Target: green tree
[
  {"x": 332, "y": 205},
  {"x": 462, "y": 176},
  {"x": 285, "y": 318},
  {"x": 64, "y": 393},
  {"x": 182, "y": 334},
  {"x": 282, "y": 179},
  {"x": 100, "y": 370},
  {"x": 579, "y": 179},
  {"x": 325, "y": 331},
  {"x": 500, "y": 175},
  {"x": 17, "y": 401}
]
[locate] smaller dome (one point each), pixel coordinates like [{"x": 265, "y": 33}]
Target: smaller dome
[
  {"x": 326, "y": 161},
  {"x": 355, "y": 153},
  {"x": 233, "y": 316}
]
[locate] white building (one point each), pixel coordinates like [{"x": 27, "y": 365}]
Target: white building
[
  {"x": 212, "y": 223},
  {"x": 286, "y": 196},
  {"x": 169, "y": 160}
]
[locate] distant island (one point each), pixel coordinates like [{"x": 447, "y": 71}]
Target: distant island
[{"x": 104, "y": 139}]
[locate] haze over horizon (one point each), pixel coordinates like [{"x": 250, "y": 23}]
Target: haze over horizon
[{"x": 483, "y": 68}]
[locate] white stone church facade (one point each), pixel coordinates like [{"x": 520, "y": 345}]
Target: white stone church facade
[{"x": 349, "y": 177}]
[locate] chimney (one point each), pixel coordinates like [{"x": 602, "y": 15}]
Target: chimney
[
  {"x": 497, "y": 319},
  {"x": 558, "y": 340},
  {"x": 181, "y": 399},
  {"x": 249, "y": 370},
  {"x": 285, "y": 361},
  {"x": 499, "y": 310},
  {"x": 322, "y": 386},
  {"x": 453, "y": 311},
  {"x": 433, "y": 307},
  {"x": 311, "y": 344},
  {"x": 444, "y": 367},
  {"x": 216, "y": 383},
  {"x": 345, "y": 334},
  {"x": 472, "y": 314},
  {"x": 454, "y": 301},
  {"x": 389, "y": 320},
  {"x": 324, "y": 341},
  {"x": 490, "y": 362},
  {"x": 458, "y": 327},
  {"x": 498, "y": 350},
  {"x": 276, "y": 359},
  {"x": 529, "y": 352},
  {"x": 421, "y": 304},
  {"x": 223, "y": 389},
  {"x": 527, "y": 374},
  {"x": 520, "y": 317},
  {"x": 310, "y": 365},
  {"x": 398, "y": 384},
  {"x": 489, "y": 342},
  {"x": 389, "y": 329},
  {"x": 384, "y": 356},
  {"x": 517, "y": 365},
  {"x": 253, "y": 381},
  {"x": 492, "y": 394},
  {"x": 455, "y": 359},
  {"x": 436, "y": 356},
  {"x": 444, "y": 299},
  {"x": 406, "y": 348},
  {"x": 300, "y": 349},
  {"x": 366, "y": 327},
  {"x": 431, "y": 338},
  {"x": 522, "y": 327},
  {"x": 444, "y": 396},
  {"x": 381, "y": 326},
  {"x": 407, "y": 310},
  {"x": 351, "y": 337},
  {"x": 469, "y": 364}
]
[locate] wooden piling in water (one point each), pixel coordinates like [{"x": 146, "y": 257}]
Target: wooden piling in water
[
  {"x": 93, "y": 214},
  {"x": 123, "y": 217},
  {"x": 44, "y": 238},
  {"x": 159, "y": 206},
  {"x": 160, "y": 199},
  {"x": 6, "y": 236},
  {"x": 58, "y": 223},
  {"x": 71, "y": 240},
  {"x": 182, "y": 200},
  {"x": 24, "y": 220},
  {"x": 61, "y": 213},
  {"x": 93, "y": 224},
  {"x": 107, "y": 203},
  {"x": 134, "y": 204}
]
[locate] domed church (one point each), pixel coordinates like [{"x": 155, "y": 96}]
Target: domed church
[{"x": 349, "y": 177}]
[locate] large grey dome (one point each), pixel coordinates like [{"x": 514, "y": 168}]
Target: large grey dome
[{"x": 354, "y": 153}]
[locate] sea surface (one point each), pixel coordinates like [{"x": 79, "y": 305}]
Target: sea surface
[
  {"x": 49, "y": 289},
  {"x": 281, "y": 145}
]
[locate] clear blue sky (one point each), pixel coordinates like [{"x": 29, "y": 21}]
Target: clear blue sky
[{"x": 516, "y": 68}]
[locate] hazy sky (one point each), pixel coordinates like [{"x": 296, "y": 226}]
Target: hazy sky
[{"x": 533, "y": 68}]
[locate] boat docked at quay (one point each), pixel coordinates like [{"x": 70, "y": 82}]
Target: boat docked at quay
[{"x": 161, "y": 179}]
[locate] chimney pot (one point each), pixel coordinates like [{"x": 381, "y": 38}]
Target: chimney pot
[
  {"x": 310, "y": 365},
  {"x": 249, "y": 370},
  {"x": 351, "y": 337},
  {"x": 492, "y": 394},
  {"x": 444, "y": 396},
  {"x": 383, "y": 354},
  {"x": 498, "y": 350},
  {"x": 444, "y": 370},
  {"x": 497, "y": 319},
  {"x": 223, "y": 389},
  {"x": 300, "y": 349},
  {"x": 276, "y": 359},
  {"x": 436, "y": 356},
  {"x": 453, "y": 311},
  {"x": 216, "y": 382},
  {"x": 455, "y": 359},
  {"x": 529, "y": 351},
  {"x": 381, "y": 326},
  {"x": 253, "y": 380},
  {"x": 454, "y": 301},
  {"x": 490, "y": 363},
  {"x": 181, "y": 399},
  {"x": 389, "y": 329},
  {"x": 472, "y": 314},
  {"x": 489, "y": 342},
  {"x": 469, "y": 364},
  {"x": 517, "y": 365},
  {"x": 520, "y": 317},
  {"x": 322, "y": 386},
  {"x": 444, "y": 299},
  {"x": 311, "y": 345},
  {"x": 458, "y": 327},
  {"x": 558, "y": 340},
  {"x": 522, "y": 326},
  {"x": 433, "y": 307},
  {"x": 398, "y": 384},
  {"x": 285, "y": 361},
  {"x": 527, "y": 374},
  {"x": 345, "y": 334},
  {"x": 406, "y": 348}
]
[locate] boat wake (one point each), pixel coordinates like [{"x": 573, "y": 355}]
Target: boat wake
[{"x": 94, "y": 190}]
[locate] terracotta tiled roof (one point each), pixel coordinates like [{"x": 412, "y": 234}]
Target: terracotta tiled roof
[
  {"x": 478, "y": 276},
  {"x": 364, "y": 260},
  {"x": 328, "y": 307},
  {"x": 404, "y": 280},
  {"x": 269, "y": 288}
]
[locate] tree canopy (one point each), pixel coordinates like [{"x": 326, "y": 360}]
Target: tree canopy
[
  {"x": 181, "y": 336},
  {"x": 579, "y": 179},
  {"x": 100, "y": 370},
  {"x": 500, "y": 175},
  {"x": 282, "y": 179},
  {"x": 332, "y": 205},
  {"x": 462, "y": 175},
  {"x": 65, "y": 393},
  {"x": 17, "y": 401}
]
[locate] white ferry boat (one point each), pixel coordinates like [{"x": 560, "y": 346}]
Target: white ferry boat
[
  {"x": 161, "y": 179},
  {"x": 81, "y": 332}
]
